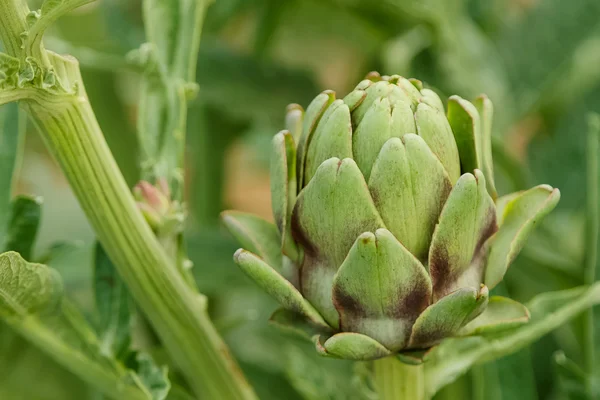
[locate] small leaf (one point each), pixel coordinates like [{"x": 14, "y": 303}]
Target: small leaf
[
  {"x": 27, "y": 288},
  {"x": 434, "y": 128},
  {"x": 256, "y": 235},
  {"x": 456, "y": 257},
  {"x": 152, "y": 378},
  {"x": 447, "y": 316},
  {"x": 352, "y": 346},
  {"x": 276, "y": 285},
  {"x": 370, "y": 135},
  {"x": 283, "y": 188},
  {"x": 23, "y": 225},
  {"x": 431, "y": 98},
  {"x": 332, "y": 138},
  {"x": 293, "y": 322},
  {"x": 466, "y": 126},
  {"x": 312, "y": 116},
  {"x": 113, "y": 305},
  {"x": 500, "y": 314},
  {"x": 486, "y": 111},
  {"x": 518, "y": 214}
]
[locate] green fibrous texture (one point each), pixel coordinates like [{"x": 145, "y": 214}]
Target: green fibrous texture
[{"x": 389, "y": 232}]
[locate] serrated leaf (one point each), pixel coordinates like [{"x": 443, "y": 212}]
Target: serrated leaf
[
  {"x": 31, "y": 303},
  {"x": 26, "y": 288},
  {"x": 113, "y": 306},
  {"x": 152, "y": 378}
]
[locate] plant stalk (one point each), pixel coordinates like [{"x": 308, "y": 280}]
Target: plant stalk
[
  {"x": 176, "y": 312},
  {"x": 591, "y": 246},
  {"x": 395, "y": 380}
]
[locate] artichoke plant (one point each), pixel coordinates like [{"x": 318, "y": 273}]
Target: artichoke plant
[{"x": 389, "y": 234}]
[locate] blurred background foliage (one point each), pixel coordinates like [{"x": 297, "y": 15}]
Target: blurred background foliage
[{"x": 536, "y": 59}]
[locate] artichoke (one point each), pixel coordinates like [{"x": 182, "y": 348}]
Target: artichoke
[{"x": 389, "y": 234}]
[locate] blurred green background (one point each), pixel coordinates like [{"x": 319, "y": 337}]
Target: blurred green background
[{"x": 536, "y": 59}]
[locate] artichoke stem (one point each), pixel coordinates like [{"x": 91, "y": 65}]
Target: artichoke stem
[{"x": 395, "y": 380}]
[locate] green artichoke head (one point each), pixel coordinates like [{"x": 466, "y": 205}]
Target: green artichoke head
[{"x": 389, "y": 234}]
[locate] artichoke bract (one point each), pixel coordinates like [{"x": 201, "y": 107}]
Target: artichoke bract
[{"x": 388, "y": 231}]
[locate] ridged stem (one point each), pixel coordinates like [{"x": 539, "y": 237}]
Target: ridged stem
[
  {"x": 395, "y": 380},
  {"x": 176, "y": 312}
]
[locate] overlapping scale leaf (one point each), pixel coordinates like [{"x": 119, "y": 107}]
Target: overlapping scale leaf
[
  {"x": 294, "y": 118},
  {"x": 464, "y": 120},
  {"x": 330, "y": 213},
  {"x": 409, "y": 186},
  {"x": 371, "y": 134},
  {"x": 457, "y": 254},
  {"x": 486, "y": 111},
  {"x": 276, "y": 285},
  {"x": 434, "y": 128},
  {"x": 446, "y": 317},
  {"x": 309, "y": 123},
  {"x": 351, "y": 346},
  {"x": 518, "y": 215},
  {"x": 381, "y": 289},
  {"x": 283, "y": 188},
  {"x": 256, "y": 235},
  {"x": 332, "y": 138},
  {"x": 431, "y": 98}
]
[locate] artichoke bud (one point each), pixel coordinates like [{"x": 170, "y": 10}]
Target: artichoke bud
[
  {"x": 164, "y": 215},
  {"x": 387, "y": 236}
]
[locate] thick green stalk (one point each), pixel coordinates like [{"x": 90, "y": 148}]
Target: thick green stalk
[
  {"x": 175, "y": 311},
  {"x": 395, "y": 380},
  {"x": 591, "y": 253}
]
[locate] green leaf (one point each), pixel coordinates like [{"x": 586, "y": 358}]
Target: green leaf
[
  {"x": 276, "y": 285},
  {"x": 351, "y": 346},
  {"x": 549, "y": 311},
  {"x": 466, "y": 126},
  {"x": 32, "y": 304},
  {"x": 256, "y": 235},
  {"x": 434, "y": 128},
  {"x": 518, "y": 214},
  {"x": 113, "y": 306},
  {"x": 296, "y": 323},
  {"x": 486, "y": 111},
  {"x": 27, "y": 288},
  {"x": 23, "y": 225},
  {"x": 447, "y": 316},
  {"x": 153, "y": 379},
  {"x": 409, "y": 186},
  {"x": 370, "y": 135},
  {"x": 284, "y": 188},
  {"x": 12, "y": 130},
  {"x": 332, "y": 138},
  {"x": 330, "y": 213},
  {"x": 500, "y": 314},
  {"x": 312, "y": 116},
  {"x": 456, "y": 257},
  {"x": 381, "y": 289}
]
